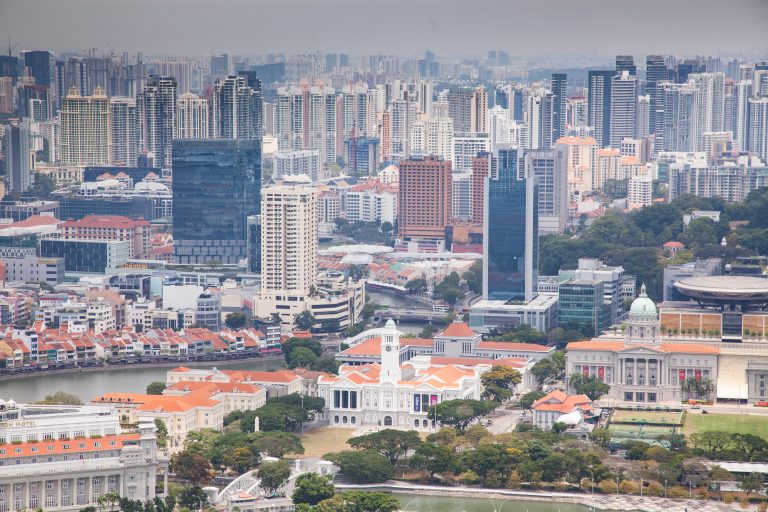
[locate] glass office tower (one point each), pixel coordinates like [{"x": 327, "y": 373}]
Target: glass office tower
[
  {"x": 215, "y": 188},
  {"x": 511, "y": 241}
]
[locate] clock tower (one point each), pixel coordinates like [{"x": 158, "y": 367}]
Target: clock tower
[{"x": 390, "y": 354}]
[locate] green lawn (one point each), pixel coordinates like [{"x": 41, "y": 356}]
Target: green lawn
[
  {"x": 646, "y": 417},
  {"x": 757, "y": 425}
]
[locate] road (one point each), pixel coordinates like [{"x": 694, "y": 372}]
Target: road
[{"x": 503, "y": 420}]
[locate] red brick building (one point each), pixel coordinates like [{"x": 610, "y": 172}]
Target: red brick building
[{"x": 425, "y": 202}]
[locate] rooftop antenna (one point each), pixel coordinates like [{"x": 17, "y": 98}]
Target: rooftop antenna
[{"x": 11, "y": 48}]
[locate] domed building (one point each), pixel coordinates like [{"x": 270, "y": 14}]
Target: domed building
[
  {"x": 637, "y": 363},
  {"x": 643, "y": 322}
]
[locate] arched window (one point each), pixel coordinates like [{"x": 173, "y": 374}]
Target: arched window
[
  {"x": 387, "y": 421},
  {"x": 416, "y": 423},
  {"x": 336, "y": 420},
  {"x": 344, "y": 420}
]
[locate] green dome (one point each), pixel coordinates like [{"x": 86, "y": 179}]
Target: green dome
[{"x": 642, "y": 305}]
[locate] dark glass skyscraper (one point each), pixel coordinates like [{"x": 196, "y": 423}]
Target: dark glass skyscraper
[
  {"x": 599, "y": 104},
  {"x": 560, "y": 93},
  {"x": 655, "y": 72},
  {"x": 215, "y": 188},
  {"x": 626, "y": 63},
  {"x": 510, "y": 240},
  {"x": 39, "y": 64}
]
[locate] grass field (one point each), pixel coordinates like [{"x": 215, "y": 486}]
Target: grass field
[
  {"x": 757, "y": 425},
  {"x": 638, "y": 432},
  {"x": 647, "y": 417},
  {"x": 319, "y": 441}
]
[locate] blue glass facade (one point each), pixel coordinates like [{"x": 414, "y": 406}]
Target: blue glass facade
[
  {"x": 511, "y": 242},
  {"x": 215, "y": 188}
]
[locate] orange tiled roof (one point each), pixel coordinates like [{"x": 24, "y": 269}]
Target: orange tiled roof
[
  {"x": 59, "y": 446},
  {"x": 562, "y": 402},
  {"x": 459, "y": 330}
]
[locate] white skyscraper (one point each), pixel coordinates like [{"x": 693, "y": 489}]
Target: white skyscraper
[
  {"x": 742, "y": 95},
  {"x": 191, "y": 117},
  {"x": 125, "y": 141},
  {"x": 433, "y": 135},
  {"x": 758, "y": 127},
  {"x": 710, "y": 104},
  {"x": 305, "y": 118},
  {"x": 623, "y": 107},
  {"x": 539, "y": 119},
  {"x": 425, "y": 97},
  {"x": 466, "y": 148},
  {"x": 643, "y": 117}
]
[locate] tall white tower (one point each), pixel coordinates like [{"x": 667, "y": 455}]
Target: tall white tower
[{"x": 390, "y": 354}]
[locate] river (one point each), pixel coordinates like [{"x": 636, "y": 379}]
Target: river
[
  {"x": 419, "y": 503},
  {"x": 397, "y": 300},
  {"x": 91, "y": 383}
]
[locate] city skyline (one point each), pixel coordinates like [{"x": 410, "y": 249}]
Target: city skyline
[{"x": 450, "y": 28}]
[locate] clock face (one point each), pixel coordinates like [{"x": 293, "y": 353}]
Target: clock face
[{"x": 389, "y": 349}]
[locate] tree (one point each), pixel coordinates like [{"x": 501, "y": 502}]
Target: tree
[
  {"x": 591, "y": 386},
  {"x": 235, "y": 320},
  {"x": 752, "y": 483},
  {"x": 274, "y": 474},
  {"x": 416, "y": 285},
  {"x": 359, "y": 501},
  {"x": 600, "y": 436},
  {"x": 311, "y": 404},
  {"x": 358, "y": 272},
  {"x": 60, "y": 398},
  {"x": 450, "y": 295},
  {"x": 559, "y": 427},
  {"x": 330, "y": 325},
  {"x": 390, "y": 443},
  {"x": 162, "y": 433},
  {"x": 312, "y": 488},
  {"x": 460, "y": 413},
  {"x": 278, "y": 444},
  {"x": 499, "y": 382},
  {"x": 489, "y": 459},
  {"x": 432, "y": 458},
  {"x": 155, "y": 388},
  {"x": 551, "y": 368},
  {"x": 304, "y": 320},
  {"x": 191, "y": 467},
  {"x": 240, "y": 459},
  {"x": 274, "y": 417},
  {"x": 302, "y": 357},
  {"x": 364, "y": 467},
  {"x": 386, "y": 227},
  {"x": 43, "y": 185},
  {"x": 526, "y": 402}
]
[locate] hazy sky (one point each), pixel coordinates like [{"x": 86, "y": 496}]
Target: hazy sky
[{"x": 405, "y": 27}]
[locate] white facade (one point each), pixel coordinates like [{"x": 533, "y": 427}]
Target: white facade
[
  {"x": 370, "y": 205},
  {"x": 86, "y": 129},
  {"x": 433, "y": 135},
  {"x": 466, "y": 148},
  {"x": 623, "y": 106},
  {"x": 640, "y": 191},
  {"x": 294, "y": 163},
  {"x": 192, "y": 117},
  {"x": 540, "y": 313}
]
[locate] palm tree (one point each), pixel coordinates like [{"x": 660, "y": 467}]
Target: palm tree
[
  {"x": 705, "y": 388},
  {"x": 687, "y": 386}
]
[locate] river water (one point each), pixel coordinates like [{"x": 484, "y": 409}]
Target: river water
[
  {"x": 396, "y": 300},
  {"x": 89, "y": 384},
  {"x": 419, "y": 503}
]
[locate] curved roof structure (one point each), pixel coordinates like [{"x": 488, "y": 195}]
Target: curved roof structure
[{"x": 725, "y": 289}]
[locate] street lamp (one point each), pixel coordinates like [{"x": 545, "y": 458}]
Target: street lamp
[
  {"x": 617, "y": 485},
  {"x": 690, "y": 490},
  {"x": 665, "y": 488}
]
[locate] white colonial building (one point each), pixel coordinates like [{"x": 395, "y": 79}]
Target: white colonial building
[
  {"x": 62, "y": 458},
  {"x": 638, "y": 364},
  {"x": 389, "y": 394}
]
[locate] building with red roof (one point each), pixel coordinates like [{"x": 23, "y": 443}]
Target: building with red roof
[{"x": 111, "y": 228}]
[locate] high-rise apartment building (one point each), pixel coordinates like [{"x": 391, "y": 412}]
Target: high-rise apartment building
[
  {"x": 253, "y": 80},
  {"x": 679, "y": 115},
  {"x": 192, "y": 117},
  {"x": 559, "y": 96},
  {"x": 86, "y": 129},
  {"x": 643, "y": 117},
  {"x": 623, "y": 107},
  {"x": 550, "y": 168},
  {"x": 599, "y": 105},
  {"x": 742, "y": 92},
  {"x": 125, "y": 142},
  {"x": 481, "y": 168},
  {"x": 234, "y": 108},
  {"x": 157, "y": 118},
  {"x": 710, "y": 104},
  {"x": 468, "y": 107},
  {"x": 288, "y": 241},
  {"x": 425, "y": 197},
  {"x": 510, "y": 234},
  {"x": 305, "y": 118},
  {"x": 16, "y": 152},
  {"x": 758, "y": 127},
  {"x": 540, "y": 117},
  {"x": 403, "y": 115},
  {"x": 215, "y": 188},
  {"x": 433, "y": 135}
]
